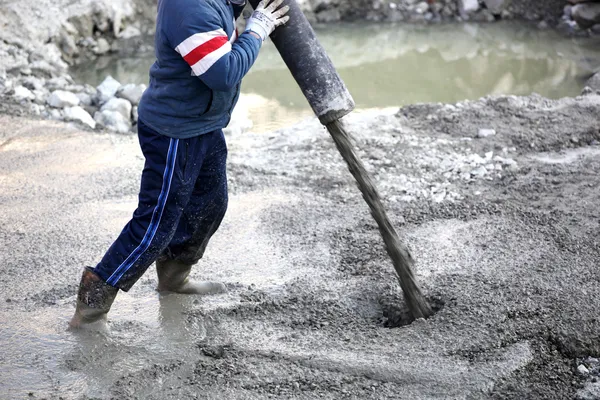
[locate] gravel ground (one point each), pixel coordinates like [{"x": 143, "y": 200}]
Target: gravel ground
[{"x": 506, "y": 245}]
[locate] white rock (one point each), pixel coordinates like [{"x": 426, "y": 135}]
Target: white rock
[
  {"x": 130, "y": 32},
  {"x": 583, "y": 370},
  {"x": 121, "y": 106},
  {"x": 33, "y": 83},
  {"x": 131, "y": 92},
  {"x": 476, "y": 159},
  {"x": 422, "y": 7},
  {"x": 40, "y": 96},
  {"x": 496, "y": 6},
  {"x": 61, "y": 99},
  {"x": 113, "y": 121},
  {"x": 22, "y": 93},
  {"x": 483, "y": 133},
  {"x": 57, "y": 83},
  {"x": 102, "y": 47},
  {"x": 479, "y": 172},
  {"x": 591, "y": 391},
  {"x": 36, "y": 109},
  {"x": 439, "y": 197},
  {"x": 107, "y": 89},
  {"x": 505, "y": 161},
  {"x": 134, "y": 114},
  {"x": 468, "y": 6},
  {"x": 55, "y": 114},
  {"x": 84, "y": 98},
  {"x": 80, "y": 115}
]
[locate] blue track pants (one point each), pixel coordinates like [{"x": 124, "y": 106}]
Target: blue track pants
[{"x": 182, "y": 201}]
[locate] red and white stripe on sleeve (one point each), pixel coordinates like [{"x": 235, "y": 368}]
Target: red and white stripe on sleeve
[{"x": 202, "y": 50}]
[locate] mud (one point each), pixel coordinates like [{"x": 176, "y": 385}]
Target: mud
[{"x": 509, "y": 258}]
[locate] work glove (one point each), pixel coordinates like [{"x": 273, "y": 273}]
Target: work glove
[{"x": 267, "y": 17}]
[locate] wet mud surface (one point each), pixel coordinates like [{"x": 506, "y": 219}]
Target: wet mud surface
[{"x": 508, "y": 256}]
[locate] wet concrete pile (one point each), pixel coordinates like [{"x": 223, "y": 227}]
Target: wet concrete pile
[{"x": 511, "y": 260}]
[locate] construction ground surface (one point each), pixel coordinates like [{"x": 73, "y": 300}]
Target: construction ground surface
[{"x": 504, "y": 229}]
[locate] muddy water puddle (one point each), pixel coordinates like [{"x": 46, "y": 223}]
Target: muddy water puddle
[
  {"x": 395, "y": 65},
  {"x": 145, "y": 329}
]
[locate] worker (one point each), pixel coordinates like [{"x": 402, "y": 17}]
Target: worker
[{"x": 194, "y": 86}]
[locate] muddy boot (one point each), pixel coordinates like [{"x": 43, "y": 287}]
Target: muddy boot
[
  {"x": 93, "y": 301},
  {"x": 173, "y": 276}
]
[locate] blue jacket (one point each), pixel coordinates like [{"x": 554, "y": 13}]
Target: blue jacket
[{"x": 200, "y": 62}]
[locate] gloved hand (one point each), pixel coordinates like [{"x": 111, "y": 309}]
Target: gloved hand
[{"x": 267, "y": 17}]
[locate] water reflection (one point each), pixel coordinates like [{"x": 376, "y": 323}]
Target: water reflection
[{"x": 393, "y": 65}]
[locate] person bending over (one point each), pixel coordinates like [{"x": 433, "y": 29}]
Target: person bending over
[{"x": 194, "y": 86}]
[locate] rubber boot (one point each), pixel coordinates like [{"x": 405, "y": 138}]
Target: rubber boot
[
  {"x": 94, "y": 300},
  {"x": 173, "y": 276}
]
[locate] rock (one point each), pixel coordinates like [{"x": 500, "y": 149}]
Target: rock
[
  {"x": 121, "y": 106},
  {"x": 57, "y": 83},
  {"x": 594, "y": 82},
  {"x": 331, "y": 15},
  {"x": 586, "y": 14},
  {"x": 113, "y": 121},
  {"x": 40, "y": 96},
  {"x": 134, "y": 114},
  {"x": 479, "y": 172},
  {"x": 61, "y": 99},
  {"x": 568, "y": 27},
  {"x": 496, "y": 6},
  {"x": 80, "y": 115},
  {"x": 36, "y": 109},
  {"x": 583, "y": 370},
  {"x": 468, "y": 6},
  {"x": 23, "y": 94},
  {"x": 6, "y": 85},
  {"x": 132, "y": 93},
  {"x": 421, "y": 8},
  {"x": 593, "y": 361},
  {"x": 102, "y": 47},
  {"x": 43, "y": 68},
  {"x": 130, "y": 32},
  {"x": 55, "y": 114},
  {"x": 568, "y": 11},
  {"x": 85, "y": 98},
  {"x": 476, "y": 159},
  {"x": 595, "y": 29},
  {"x": 484, "y": 133},
  {"x": 107, "y": 89},
  {"x": 591, "y": 391},
  {"x": 32, "y": 83},
  {"x": 68, "y": 46}
]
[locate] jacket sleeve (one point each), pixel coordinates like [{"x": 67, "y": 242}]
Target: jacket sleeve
[{"x": 219, "y": 62}]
